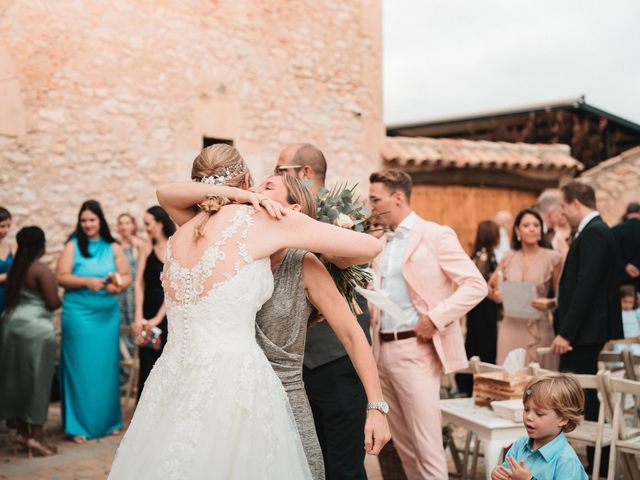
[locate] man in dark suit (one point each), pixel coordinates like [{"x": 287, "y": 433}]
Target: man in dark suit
[
  {"x": 627, "y": 234},
  {"x": 589, "y": 312},
  {"x": 336, "y": 395}
]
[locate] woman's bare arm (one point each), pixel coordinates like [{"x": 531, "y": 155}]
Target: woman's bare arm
[
  {"x": 122, "y": 267},
  {"x": 70, "y": 281},
  {"x": 492, "y": 285},
  {"x": 47, "y": 285},
  {"x": 180, "y": 198},
  {"x": 324, "y": 295},
  {"x": 3, "y": 276},
  {"x": 297, "y": 230}
]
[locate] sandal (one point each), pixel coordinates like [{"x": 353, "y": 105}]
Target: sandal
[
  {"x": 40, "y": 449},
  {"x": 79, "y": 439}
]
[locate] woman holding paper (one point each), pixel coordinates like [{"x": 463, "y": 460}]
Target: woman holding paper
[{"x": 532, "y": 263}]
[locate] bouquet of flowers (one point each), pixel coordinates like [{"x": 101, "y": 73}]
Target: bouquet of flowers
[{"x": 338, "y": 206}]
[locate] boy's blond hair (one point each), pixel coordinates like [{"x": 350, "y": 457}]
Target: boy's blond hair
[{"x": 561, "y": 393}]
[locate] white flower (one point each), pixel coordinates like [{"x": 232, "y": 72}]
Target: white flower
[{"x": 344, "y": 221}]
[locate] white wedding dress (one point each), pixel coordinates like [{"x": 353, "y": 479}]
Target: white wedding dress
[{"x": 213, "y": 408}]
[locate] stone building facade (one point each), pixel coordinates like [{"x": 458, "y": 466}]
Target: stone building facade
[
  {"x": 106, "y": 100},
  {"x": 617, "y": 183}
]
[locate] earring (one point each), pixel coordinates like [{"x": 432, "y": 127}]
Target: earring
[{"x": 518, "y": 236}]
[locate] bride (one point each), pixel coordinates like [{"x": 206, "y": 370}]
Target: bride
[{"x": 213, "y": 406}]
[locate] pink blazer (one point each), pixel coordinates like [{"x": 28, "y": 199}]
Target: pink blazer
[{"x": 434, "y": 264}]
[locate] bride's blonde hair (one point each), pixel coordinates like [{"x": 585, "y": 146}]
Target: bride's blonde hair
[{"x": 220, "y": 164}]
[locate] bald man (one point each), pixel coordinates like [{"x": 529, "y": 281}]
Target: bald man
[
  {"x": 336, "y": 395},
  {"x": 304, "y": 161}
]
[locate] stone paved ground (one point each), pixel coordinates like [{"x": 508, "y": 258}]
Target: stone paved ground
[{"x": 90, "y": 461}]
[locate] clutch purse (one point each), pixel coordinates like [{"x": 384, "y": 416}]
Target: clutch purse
[
  {"x": 151, "y": 339},
  {"x": 114, "y": 278}
]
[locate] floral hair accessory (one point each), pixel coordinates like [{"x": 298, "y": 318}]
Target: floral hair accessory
[
  {"x": 529, "y": 391},
  {"x": 228, "y": 173}
]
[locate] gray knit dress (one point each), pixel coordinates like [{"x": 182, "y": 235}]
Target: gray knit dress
[{"x": 281, "y": 329}]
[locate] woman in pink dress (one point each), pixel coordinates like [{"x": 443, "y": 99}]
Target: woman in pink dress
[{"x": 529, "y": 260}]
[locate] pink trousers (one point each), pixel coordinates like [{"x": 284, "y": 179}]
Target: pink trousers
[{"x": 410, "y": 376}]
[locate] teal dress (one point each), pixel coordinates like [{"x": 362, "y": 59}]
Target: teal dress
[
  {"x": 89, "y": 360},
  {"x": 27, "y": 359},
  {"x": 4, "y": 268}
]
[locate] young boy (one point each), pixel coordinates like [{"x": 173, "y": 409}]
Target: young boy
[{"x": 552, "y": 405}]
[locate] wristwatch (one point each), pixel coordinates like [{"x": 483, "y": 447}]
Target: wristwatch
[{"x": 381, "y": 406}]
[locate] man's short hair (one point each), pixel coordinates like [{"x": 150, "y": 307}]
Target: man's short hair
[
  {"x": 633, "y": 207},
  {"x": 582, "y": 192},
  {"x": 308, "y": 154},
  {"x": 394, "y": 180},
  {"x": 548, "y": 199}
]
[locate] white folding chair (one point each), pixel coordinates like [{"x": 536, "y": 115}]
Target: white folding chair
[
  {"x": 625, "y": 441},
  {"x": 607, "y": 358}
]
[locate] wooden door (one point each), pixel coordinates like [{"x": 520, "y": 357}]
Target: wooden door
[{"x": 462, "y": 208}]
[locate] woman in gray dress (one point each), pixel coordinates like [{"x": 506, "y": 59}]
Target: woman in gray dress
[
  {"x": 134, "y": 249},
  {"x": 301, "y": 282}
]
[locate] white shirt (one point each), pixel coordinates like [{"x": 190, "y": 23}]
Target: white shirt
[
  {"x": 583, "y": 223},
  {"x": 392, "y": 279}
]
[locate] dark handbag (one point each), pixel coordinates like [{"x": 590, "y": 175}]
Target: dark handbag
[{"x": 390, "y": 464}]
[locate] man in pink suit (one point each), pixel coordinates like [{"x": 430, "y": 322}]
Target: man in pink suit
[{"x": 420, "y": 267}]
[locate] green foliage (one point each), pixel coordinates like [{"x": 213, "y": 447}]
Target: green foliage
[{"x": 331, "y": 203}]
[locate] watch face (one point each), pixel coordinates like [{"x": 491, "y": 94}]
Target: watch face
[{"x": 384, "y": 406}]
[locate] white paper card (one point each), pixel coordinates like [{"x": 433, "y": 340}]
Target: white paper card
[
  {"x": 515, "y": 360},
  {"x": 382, "y": 300},
  {"x": 516, "y": 299}
]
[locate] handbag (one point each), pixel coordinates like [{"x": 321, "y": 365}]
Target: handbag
[{"x": 151, "y": 339}]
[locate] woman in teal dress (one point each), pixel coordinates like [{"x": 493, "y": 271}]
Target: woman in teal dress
[
  {"x": 89, "y": 360},
  {"x": 6, "y": 254},
  {"x": 28, "y": 343}
]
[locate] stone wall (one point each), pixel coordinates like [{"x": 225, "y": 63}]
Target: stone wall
[
  {"x": 106, "y": 100},
  {"x": 616, "y": 182}
]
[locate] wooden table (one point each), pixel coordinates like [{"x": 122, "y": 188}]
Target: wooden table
[{"x": 496, "y": 433}]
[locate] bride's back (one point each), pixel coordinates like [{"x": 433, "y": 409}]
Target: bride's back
[
  {"x": 205, "y": 252},
  {"x": 213, "y": 288}
]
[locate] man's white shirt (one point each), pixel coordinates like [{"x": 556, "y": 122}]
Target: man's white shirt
[{"x": 392, "y": 279}]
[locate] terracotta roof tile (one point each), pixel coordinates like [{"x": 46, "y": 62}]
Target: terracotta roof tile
[{"x": 460, "y": 153}]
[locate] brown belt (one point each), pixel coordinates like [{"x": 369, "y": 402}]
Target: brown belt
[{"x": 390, "y": 337}]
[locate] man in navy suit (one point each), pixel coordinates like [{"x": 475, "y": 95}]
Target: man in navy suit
[{"x": 589, "y": 312}]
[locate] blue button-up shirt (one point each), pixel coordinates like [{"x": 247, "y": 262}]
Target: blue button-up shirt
[{"x": 557, "y": 459}]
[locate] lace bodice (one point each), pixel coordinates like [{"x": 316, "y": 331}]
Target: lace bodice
[{"x": 211, "y": 305}]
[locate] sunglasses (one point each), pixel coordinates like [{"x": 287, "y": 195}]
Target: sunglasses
[{"x": 283, "y": 168}]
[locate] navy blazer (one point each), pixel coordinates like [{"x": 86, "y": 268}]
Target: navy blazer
[
  {"x": 627, "y": 235},
  {"x": 589, "y": 311}
]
